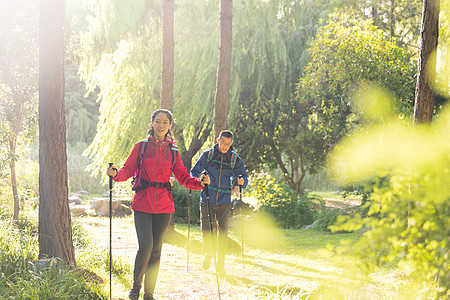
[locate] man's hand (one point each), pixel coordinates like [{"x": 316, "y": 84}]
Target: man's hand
[
  {"x": 205, "y": 180},
  {"x": 240, "y": 181}
]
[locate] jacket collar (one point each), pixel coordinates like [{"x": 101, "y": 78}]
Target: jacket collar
[
  {"x": 216, "y": 149},
  {"x": 168, "y": 140}
]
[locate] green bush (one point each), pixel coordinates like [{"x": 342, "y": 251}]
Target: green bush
[
  {"x": 17, "y": 248},
  {"x": 180, "y": 196},
  {"x": 79, "y": 235},
  {"x": 289, "y": 209},
  {"x": 28, "y": 222},
  {"x": 327, "y": 218}
]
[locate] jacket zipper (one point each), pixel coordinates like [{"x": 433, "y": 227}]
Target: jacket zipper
[
  {"x": 220, "y": 177},
  {"x": 156, "y": 189}
]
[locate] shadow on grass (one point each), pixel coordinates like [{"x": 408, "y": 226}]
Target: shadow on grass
[
  {"x": 176, "y": 238},
  {"x": 325, "y": 291},
  {"x": 270, "y": 289}
]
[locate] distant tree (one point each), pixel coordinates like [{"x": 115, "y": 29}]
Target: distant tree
[
  {"x": 18, "y": 83},
  {"x": 269, "y": 43},
  {"x": 296, "y": 133},
  {"x": 223, "y": 67},
  {"x": 426, "y": 72},
  {"x": 398, "y": 19},
  {"x": 55, "y": 230},
  {"x": 81, "y": 111},
  {"x": 132, "y": 64},
  {"x": 270, "y": 58}
]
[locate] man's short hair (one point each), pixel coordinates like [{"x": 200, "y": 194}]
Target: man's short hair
[{"x": 226, "y": 133}]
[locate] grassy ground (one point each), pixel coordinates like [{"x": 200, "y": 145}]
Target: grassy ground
[{"x": 278, "y": 264}]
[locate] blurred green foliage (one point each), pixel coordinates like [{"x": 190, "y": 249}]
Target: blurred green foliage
[
  {"x": 409, "y": 209},
  {"x": 288, "y": 208},
  {"x": 180, "y": 196}
]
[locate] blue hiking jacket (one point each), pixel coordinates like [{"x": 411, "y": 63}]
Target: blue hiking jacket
[{"x": 222, "y": 174}]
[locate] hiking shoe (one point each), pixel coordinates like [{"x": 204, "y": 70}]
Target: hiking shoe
[
  {"x": 134, "y": 292},
  {"x": 148, "y": 296},
  {"x": 206, "y": 262}
]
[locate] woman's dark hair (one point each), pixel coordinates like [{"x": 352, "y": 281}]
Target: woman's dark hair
[{"x": 157, "y": 112}]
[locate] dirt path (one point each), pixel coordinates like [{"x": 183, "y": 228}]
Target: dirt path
[{"x": 173, "y": 281}]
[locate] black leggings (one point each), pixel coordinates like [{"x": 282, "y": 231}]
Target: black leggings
[{"x": 150, "y": 230}]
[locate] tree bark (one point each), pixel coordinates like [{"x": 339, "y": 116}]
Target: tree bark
[
  {"x": 392, "y": 25},
  {"x": 223, "y": 67},
  {"x": 55, "y": 230},
  {"x": 426, "y": 73},
  {"x": 12, "y": 167},
  {"x": 167, "y": 68}
]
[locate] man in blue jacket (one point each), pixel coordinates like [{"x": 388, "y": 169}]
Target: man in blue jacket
[{"x": 224, "y": 168}]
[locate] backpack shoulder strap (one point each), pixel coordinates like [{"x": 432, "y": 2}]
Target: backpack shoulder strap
[
  {"x": 233, "y": 159},
  {"x": 209, "y": 158},
  {"x": 142, "y": 147},
  {"x": 173, "y": 150},
  {"x": 210, "y": 154}
]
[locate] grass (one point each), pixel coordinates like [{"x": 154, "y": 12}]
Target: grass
[{"x": 23, "y": 277}]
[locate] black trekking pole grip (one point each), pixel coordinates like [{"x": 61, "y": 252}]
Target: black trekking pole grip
[
  {"x": 240, "y": 186},
  {"x": 110, "y": 233},
  {"x": 110, "y": 177},
  {"x": 205, "y": 173}
]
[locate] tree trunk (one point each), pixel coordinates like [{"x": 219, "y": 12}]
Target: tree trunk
[
  {"x": 375, "y": 16},
  {"x": 55, "y": 230},
  {"x": 426, "y": 73},
  {"x": 223, "y": 67},
  {"x": 12, "y": 167},
  {"x": 392, "y": 21},
  {"x": 166, "y": 100}
]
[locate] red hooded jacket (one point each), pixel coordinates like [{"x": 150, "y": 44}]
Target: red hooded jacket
[{"x": 157, "y": 163}]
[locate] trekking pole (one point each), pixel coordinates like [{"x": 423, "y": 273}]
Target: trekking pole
[
  {"x": 212, "y": 236},
  {"x": 189, "y": 231},
  {"x": 242, "y": 223},
  {"x": 110, "y": 233}
]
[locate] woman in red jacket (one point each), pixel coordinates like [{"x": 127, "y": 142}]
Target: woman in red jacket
[{"x": 152, "y": 202}]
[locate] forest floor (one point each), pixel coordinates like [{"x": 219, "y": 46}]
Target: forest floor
[{"x": 278, "y": 264}]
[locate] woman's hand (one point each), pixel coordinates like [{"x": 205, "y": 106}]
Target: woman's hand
[
  {"x": 205, "y": 180},
  {"x": 111, "y": 171}
]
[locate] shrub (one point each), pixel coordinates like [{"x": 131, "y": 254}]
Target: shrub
[
  {"x": 79, "y": 235},
  {"x": 289, "y": 209},
  {"x": 180, "y": 196},
  {"x": 327, "y": 218}
]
